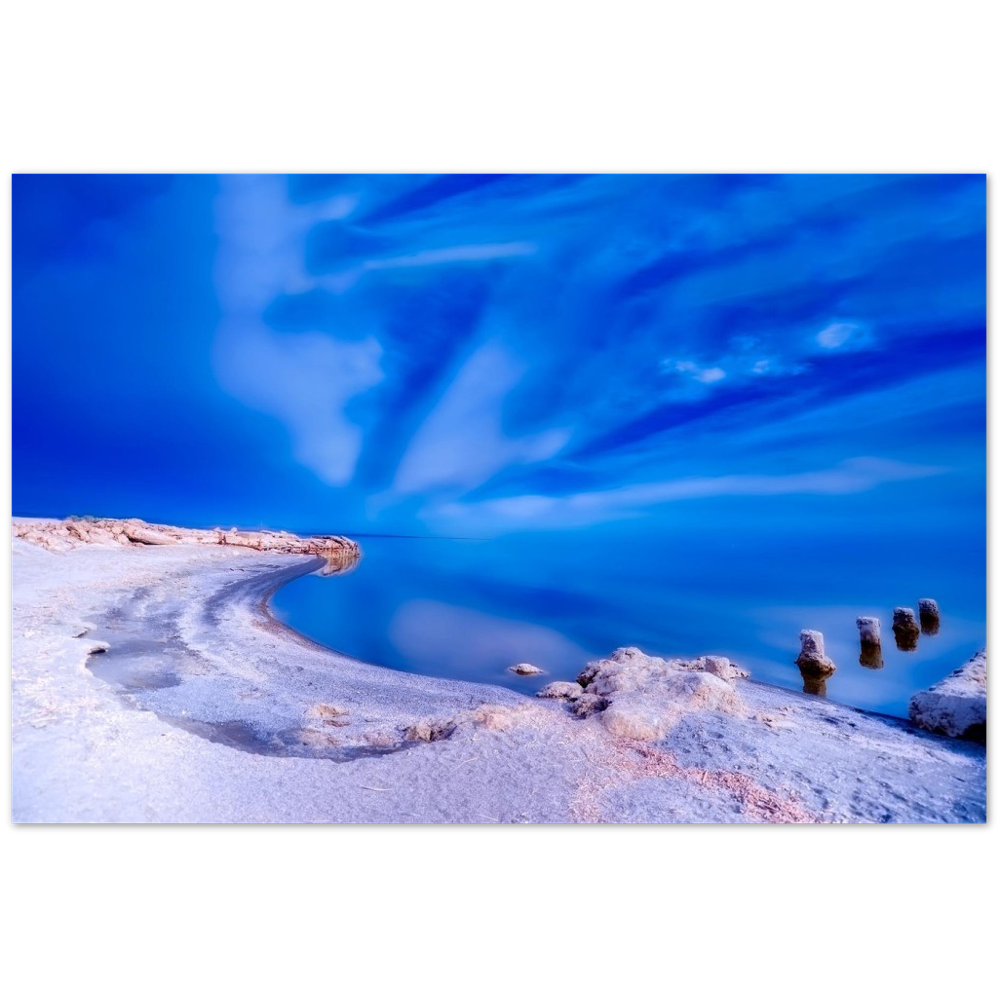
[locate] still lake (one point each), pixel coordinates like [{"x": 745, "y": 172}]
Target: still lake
[{"x": 470, "y": 608}]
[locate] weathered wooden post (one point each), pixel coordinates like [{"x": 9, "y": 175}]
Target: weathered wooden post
[
  {"x": 871, "y": 643},
  {"x": 906, "y": 629},
  {"x": 813, "y": 663},
  {"x": 930, "y": 616}
]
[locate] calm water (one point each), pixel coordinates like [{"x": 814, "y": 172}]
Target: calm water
[{"x": 471, "y": 608}]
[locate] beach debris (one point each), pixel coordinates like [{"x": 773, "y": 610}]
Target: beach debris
[
  {"x": 906, "y": 629},
  {"x": 498, "y": 718},
  {"x": 525, "y": 669},
  {"x": 430, "y": 730},
  {"x": 812, "y": 660},
  {"x": 930, "y": 616},
  {"x": 871, "y": 643},
  {"x": 330, "y": 715},
  {"x": 956, "y": 705}
]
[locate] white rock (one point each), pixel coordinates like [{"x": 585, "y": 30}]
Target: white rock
[
  {"x": 626, "y": 669},
  {"x": 721, "y": 666},
  {"x": 561, "y": 689},
  {"x": 955, "y": 706},
  {"x": 525, "y": 669},
  {"x": 650, "y": 715}
]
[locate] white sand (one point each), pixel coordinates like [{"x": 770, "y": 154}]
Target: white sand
[{"x": 318, "y": 737}]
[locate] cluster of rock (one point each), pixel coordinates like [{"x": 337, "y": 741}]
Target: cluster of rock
[
  {"x": 642, "y": 697},
  {"x": 955, "y": 706},
  {"x": 61, "y": 536}
]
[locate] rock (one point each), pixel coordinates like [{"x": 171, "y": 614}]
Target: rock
[
  {"x": 525, "y": 669},
  {"x": 340, "y": 553},
  {"x": 587, "y": 704},
  {"x": 955, "y": 706},
  {"x": 430, "y": 730},
  {"x": 651, "y": 715},
  {"x": 561, "y": 689},
  {"x": 812, "y": 660},
  {"x": 905, "y": 628},
  {"x": 930, "y": 616},
  {"x": 641, "y": 697},
  {"x": 720, "y": 666},
  {"x": 145, "y": 534},
  {"x": 626, "y": 669}
]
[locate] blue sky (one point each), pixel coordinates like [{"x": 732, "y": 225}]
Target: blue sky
[{"x": 480, "y": 355}]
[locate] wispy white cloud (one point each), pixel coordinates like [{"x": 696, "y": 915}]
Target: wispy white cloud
[
  {"x": 856, "y": 475},
  {"x": 847, "y": 336},
  {"x": 469, "y": 253},
  {"x": 694, "y": 371},
  {"x": 306, "y": 382},
  {"x": 462, "y": 441}
]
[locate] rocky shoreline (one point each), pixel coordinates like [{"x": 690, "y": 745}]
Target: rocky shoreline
[{"x": 151, "y": 685}]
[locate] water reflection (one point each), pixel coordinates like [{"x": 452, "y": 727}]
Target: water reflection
[
  {"x": 468, "y": 609},
  {"x": 814, "y": 685},
  {"x": 871, "y": 655},
  {"x": 339, "y": 561},
  {"x": 906, "y": 629}
]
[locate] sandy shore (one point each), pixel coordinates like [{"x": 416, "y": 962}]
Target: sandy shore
[{"x": 151, "y": 685}]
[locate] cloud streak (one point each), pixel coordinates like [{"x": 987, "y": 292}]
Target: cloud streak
[{"x": 856, "y": 475}]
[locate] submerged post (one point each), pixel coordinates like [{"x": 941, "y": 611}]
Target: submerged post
[
  {"x": 871, "y": 643},
  {"x": 813, "y": 663},
  {"x": 906, "y": 629},
  {"x": 930, "y": 616}
]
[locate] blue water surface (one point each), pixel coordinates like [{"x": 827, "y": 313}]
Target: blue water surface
[{"x": 469, "y": 609}]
